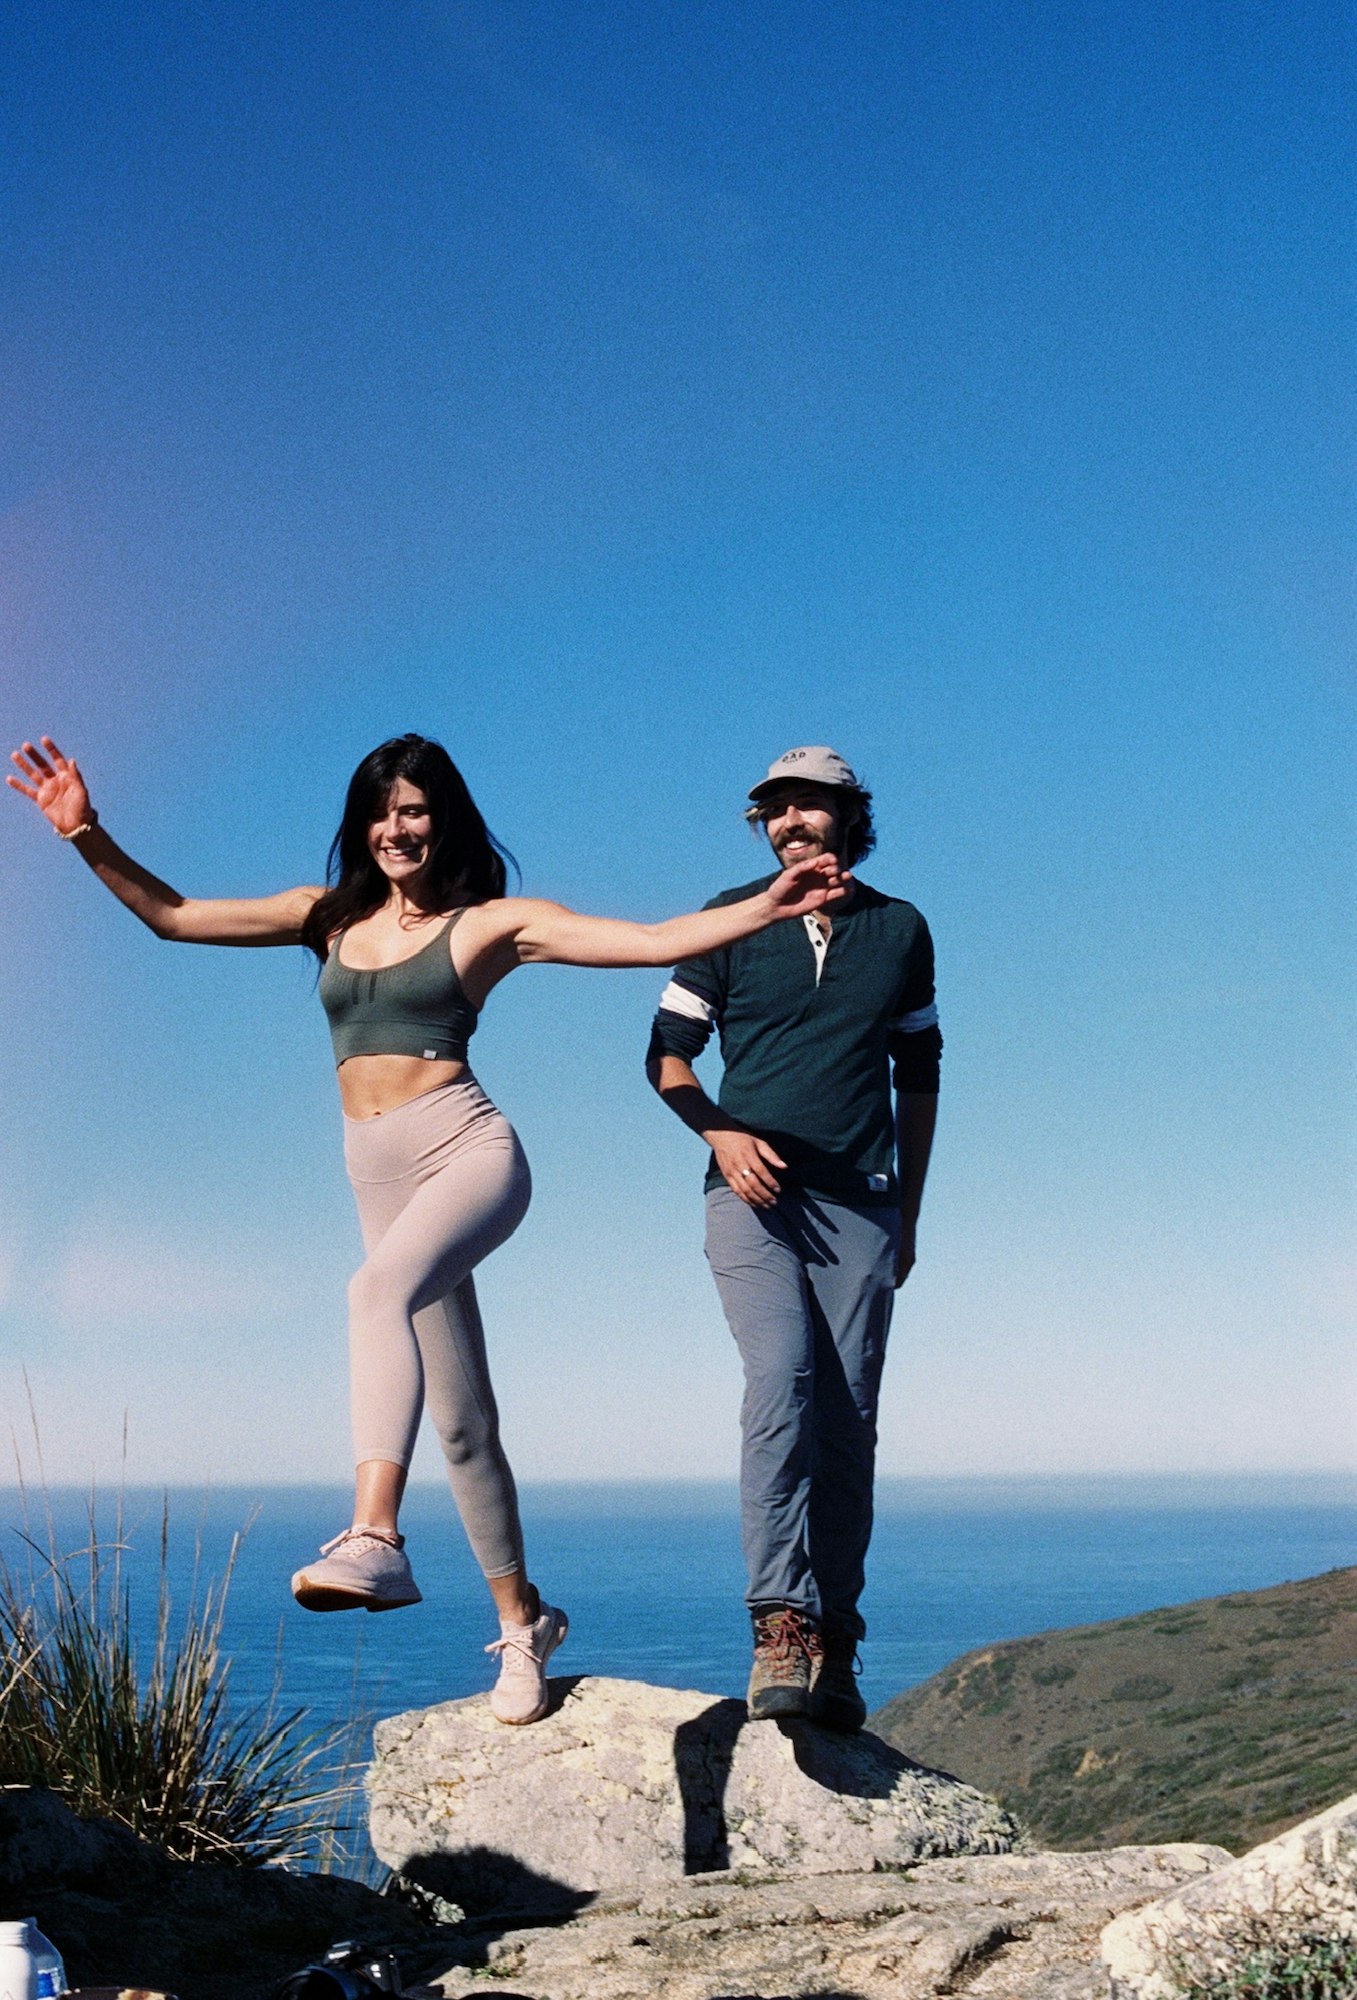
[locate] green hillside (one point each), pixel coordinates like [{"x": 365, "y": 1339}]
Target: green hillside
[{"x": 1224, "y": 1720}]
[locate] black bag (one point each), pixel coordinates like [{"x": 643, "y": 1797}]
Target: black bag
[{"x": 347, "y": 1972}]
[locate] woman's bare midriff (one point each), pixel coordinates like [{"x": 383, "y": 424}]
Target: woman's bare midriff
[{"x": 372, "y": 1085}]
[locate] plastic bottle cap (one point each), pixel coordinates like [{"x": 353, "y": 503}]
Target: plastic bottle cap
[{"x": 15, "y": 1933}]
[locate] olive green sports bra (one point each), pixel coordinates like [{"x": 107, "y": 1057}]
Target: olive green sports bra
[{"x": 417, "y": 1007}]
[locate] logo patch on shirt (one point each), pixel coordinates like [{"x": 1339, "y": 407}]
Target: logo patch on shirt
[{"x": 878, "y": 1183}]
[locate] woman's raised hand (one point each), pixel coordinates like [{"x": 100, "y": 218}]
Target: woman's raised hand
[
  {"x": 56, "y": 789},
  {"x": 809, "y": 885}
]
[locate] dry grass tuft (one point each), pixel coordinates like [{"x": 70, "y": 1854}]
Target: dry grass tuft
[{"x": 149, "y": 1739}]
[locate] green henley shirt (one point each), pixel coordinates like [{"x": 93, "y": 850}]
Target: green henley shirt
[{"x": 811, "y": 1033}]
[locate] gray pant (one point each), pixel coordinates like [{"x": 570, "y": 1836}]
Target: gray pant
[{"x": 807, "y": 1288}]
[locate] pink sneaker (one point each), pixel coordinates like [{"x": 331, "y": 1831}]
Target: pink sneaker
[
  {"x": 520, "y": 1693},
  {"x": 362, "y": 1569}
]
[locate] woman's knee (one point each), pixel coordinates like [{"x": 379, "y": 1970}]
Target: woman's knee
[{"x": 467, "y": 1439}]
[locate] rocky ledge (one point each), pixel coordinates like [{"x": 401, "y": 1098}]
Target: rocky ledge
[
  {"x": 641, "y": 1841},
  {"x": 624, "y": 1784},
  {"x": 1007, "y": 1927},
  {"x": 1300, "y": 1887},
  {"x": 999, "y": 1927}
]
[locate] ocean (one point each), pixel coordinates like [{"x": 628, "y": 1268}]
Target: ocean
[{"x": 651, "y": 1573}]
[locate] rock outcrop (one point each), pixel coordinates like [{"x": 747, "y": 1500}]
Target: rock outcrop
[
  {"x": 796, "y": 1919},
  {"x": 625, "y": 1784},
  {"x": 1017, "y": 1927},
  {"x": 1003, "y": 1927},
  {"x": 1301, "y": 1885},
  {"x": 641, "y": 1841}
]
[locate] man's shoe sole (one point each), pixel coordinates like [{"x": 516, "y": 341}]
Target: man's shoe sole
[
  {"x": 326, "y": 1597},
  {"x": 779, "y": 1705}
]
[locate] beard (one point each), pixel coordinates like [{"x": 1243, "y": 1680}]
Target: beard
[{"x": 811, "y": 845}]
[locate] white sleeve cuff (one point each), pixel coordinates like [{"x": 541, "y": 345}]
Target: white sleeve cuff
[{"x": 677, "y": 999}]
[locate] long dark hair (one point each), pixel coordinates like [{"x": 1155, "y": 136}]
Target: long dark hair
[{"x": 466, "y": 862}]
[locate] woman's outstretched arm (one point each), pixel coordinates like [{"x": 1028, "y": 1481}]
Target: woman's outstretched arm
[
  {"x": 547, "y": 933},
  {"x": 58, "y": 791}
]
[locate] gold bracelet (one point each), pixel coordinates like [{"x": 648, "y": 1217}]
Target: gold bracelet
[{"x": 86, "y": 826}]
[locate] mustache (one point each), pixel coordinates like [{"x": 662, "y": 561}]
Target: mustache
[{"x": 799, "y": 833}]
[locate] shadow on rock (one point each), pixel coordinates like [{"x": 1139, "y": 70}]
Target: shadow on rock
[
  {"x": 500, "y": 1896},
  {"x": 860, "y": 1767},
  {"x": 495, "y": 1889},
  {"x": 704, "y": 1750},
  {"x": 560, "y": 1687}
]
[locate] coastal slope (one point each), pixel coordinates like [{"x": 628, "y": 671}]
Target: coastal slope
[{"x": 1223, "y": 1720}]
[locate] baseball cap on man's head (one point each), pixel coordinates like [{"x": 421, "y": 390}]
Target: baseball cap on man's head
[{"x": 813, "y": 764}]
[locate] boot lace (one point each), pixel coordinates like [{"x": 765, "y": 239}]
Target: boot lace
[{"x": 782, "y": 1639}]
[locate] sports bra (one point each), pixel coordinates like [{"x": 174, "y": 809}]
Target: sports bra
[{"x": 417, "y": 1007}]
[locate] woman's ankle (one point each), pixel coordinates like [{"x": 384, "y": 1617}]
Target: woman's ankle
[
  {"x": 522, "y": 1607},
  {"x": 387, "y": 1530}
]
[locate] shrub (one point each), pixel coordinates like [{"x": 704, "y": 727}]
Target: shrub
[
  {"x": 1142, "y": 1687},
  {"x": 1302, "y": 1946},
  {"x": 151, "y": 1743},
  {"x": 1310, "y": 1966}
]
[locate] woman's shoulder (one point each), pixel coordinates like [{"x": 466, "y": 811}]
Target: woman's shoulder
[{"x": 505, "y": 913}]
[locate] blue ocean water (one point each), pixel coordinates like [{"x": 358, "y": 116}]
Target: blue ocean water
[{"x": 652, "y": 1578}]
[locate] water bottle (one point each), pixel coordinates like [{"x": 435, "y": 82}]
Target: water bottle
[
  {"x": 51, "y": 1971},
  {"x": 18, "y": 1966}
]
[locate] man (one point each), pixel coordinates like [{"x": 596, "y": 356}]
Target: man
[{"x": 813, "y": 1194}]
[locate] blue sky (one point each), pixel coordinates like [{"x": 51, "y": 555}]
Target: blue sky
[{"x": 622, "y": 395}]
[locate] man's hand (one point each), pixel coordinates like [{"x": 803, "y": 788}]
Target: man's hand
[
  {"x": 747, "y": 1163},
  {"x": 904, "y": 1256}
]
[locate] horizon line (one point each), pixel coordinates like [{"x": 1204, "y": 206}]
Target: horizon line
[{"x": 432, "y": 1484}]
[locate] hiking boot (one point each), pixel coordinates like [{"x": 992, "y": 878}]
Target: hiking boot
[
  {"x": 835, "y": 1701},
  {"x": 786, "y": 1652},
  {"x": 364, "y": 1569},
  {"x": 520, "y": 1693}
]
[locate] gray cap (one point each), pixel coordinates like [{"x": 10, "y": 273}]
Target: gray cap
[{"x": 813, "y": 764}]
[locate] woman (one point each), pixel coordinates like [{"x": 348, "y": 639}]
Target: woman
[{"x": 412, "y": 934}]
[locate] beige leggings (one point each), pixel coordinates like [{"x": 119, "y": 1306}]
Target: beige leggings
[{"x": 440, "y": 1182}]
